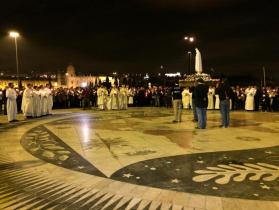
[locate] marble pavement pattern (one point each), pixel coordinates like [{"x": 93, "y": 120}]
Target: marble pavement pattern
[{"x": 138, "y": 159}]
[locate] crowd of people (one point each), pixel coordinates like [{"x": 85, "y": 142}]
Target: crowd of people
[
  {"x": 200, "y": 97},
  {"x": 111, "y": 98},
  {"x": 39, "y": 101},
  {"x": 249, "y": 98}
]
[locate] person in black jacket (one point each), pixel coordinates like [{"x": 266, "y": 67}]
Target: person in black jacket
[
  {"x": 225, "y": 93},
  {"x": 177, "y": 102},
  {"x": 201, "y": 102},
  {"x": 192, "y": 90}
]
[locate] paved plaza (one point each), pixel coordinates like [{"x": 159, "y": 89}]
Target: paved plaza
[{"x": 139, "y": 159}]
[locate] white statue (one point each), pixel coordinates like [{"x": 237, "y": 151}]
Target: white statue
[{"x": 198, "y": 62}]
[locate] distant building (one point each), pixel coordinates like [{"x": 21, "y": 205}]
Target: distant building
[{"x": 72, "y": 80}]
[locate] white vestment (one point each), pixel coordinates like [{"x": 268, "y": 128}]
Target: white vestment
[
  {"x": 44, "y": 104},
  {"x": 27, "y": 102},
  {"x": 101, "y": 98},
  {"x": 108, "y": 102},
  {"x": 123, "y": 98},
  {"x": 186, "y": 95},
  {"x": 114, "y": 98},
  {"x": 36, "y": 103},
  {"x": 131, "y": 96},
  {"x": 249, "y": 102},
  {"x": 210, "y": 96},
  {"x": 49, "y": 100},
  {"x": 217, "y": 102},
  {"x": 11, "y": 104}
]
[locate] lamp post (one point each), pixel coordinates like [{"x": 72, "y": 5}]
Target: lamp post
[
  {"x": 264, "y": 78},
  {"x": 164, "y": 73},
  {"x": 189, "y": 39},
  {"x": 189, "y": 61},
  {"x": 15, "y": 35}
]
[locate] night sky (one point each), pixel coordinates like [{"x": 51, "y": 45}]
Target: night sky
[{"x": 235, "y": 37}]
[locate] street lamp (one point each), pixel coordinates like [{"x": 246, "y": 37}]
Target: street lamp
[
  {"x": 15, "y": 35},
  {"x": 189, "y": 61},
  {"x": 190, "y": 40},
  {"x": 163, "y": 70}
]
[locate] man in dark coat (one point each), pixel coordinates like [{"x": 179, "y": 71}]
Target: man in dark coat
[
  {"x": 192, "y": 90},
  {"x": 201, "y": 102},
  {"x": 225, "y": 93},
  {"x": 177, "y": 102}
]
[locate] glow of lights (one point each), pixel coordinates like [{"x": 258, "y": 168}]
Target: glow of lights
[
  {"x": 55, "y": 84},
  {"x": 85, "y": 132},
  {"x": 189, "y": 38},
  {"x": 14, "y": 34},
  {"x": 67, "y": 74},
  {"x": 84, "y": 84},
  {"x": 146, "y": 76},
  {"x": 178, "y": 74}
]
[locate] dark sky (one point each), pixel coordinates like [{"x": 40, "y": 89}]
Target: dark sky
[{"x": 235, "y": 37}]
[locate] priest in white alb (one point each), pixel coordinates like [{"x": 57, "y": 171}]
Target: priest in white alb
[
  {"x": 11, "y": 103},
  {"x": 210, "y": 95},
  {"x": 114, "y": 98},
  {"x": 249, "y": 102},
  {"x": 27, "y": 102},
  {"x": 186, "y": 96},
  {"x": 36, "y": 102},
  {"x": 49, "y": 99},
  {"x": 123, "y": 97},
  {"x": 44, "y": 104},
  {"x": 101, "y": 97}
]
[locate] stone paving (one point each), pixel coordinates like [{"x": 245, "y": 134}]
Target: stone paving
[{"x": 138, "y": 159}]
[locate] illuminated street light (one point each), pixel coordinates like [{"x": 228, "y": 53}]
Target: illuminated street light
[
  {"x": 15, "y": 35},
  {"x": 189, "y": 38}
]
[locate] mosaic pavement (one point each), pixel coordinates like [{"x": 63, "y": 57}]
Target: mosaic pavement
[{"x": 138, "y": 159}]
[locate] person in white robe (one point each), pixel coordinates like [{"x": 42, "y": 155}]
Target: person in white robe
[
  {"x": 36, "y": 102},
  {"x": 131, "y": 94},
  {"x": 210, "y": 96},
  {"x": 123, "y": 97},
  {"x": 114, "y": 98},
  {"x": 49, "y": 99},
  {"x": 11, "y": 103},
  {"x": 186, "y": 95},
  {"x": 108, "y": 101},
  {"x": 44, "y": 104},
  {"x": 249, "y": 102},
  {"x": 217, "y": 102},
  {"x": 217, "y": 99},
  {"x": 27, "y": 102},
  {"x": 101, "y": 97}
]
